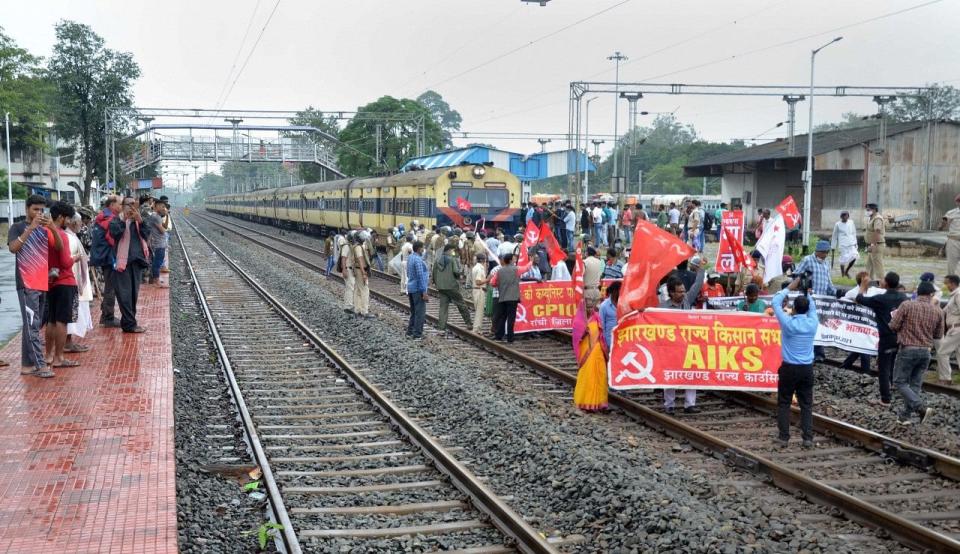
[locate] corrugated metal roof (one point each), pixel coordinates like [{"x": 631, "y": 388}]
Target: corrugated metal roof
[{"x": 822, "y": 143}]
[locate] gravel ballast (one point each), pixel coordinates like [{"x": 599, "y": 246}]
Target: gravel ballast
[
  {"x": 214, "y": 514},
  {"x": 570, "y": 474}
]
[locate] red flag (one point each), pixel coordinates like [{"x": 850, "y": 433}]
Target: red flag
[
  {"x": 554, "y": 251},
  {"x": 578, "y": 270},
  {"x": 740, "y": 257},
  {"x": 531, "y": 237},
  {"x": 788, "y": 209},
  {"x": 463, "y": 204},
  {"x": 655, "y": 253}
]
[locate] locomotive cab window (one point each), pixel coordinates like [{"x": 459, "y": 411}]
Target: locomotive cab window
[{"x": 479, "y": 198}]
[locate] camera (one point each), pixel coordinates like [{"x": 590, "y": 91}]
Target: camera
[{"x": 806, "y": 281}]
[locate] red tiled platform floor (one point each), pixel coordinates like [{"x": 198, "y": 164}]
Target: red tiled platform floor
[{"x": 87, "y": 457}]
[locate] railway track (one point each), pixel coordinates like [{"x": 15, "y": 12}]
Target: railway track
[
  {"x": 331, "y": 446},
  {"x": 909, "y": 492}
]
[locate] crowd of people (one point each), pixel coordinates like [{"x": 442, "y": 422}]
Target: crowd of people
[{"x": 66, "y": 256}]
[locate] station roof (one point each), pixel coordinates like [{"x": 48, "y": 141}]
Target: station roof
[{"x": 823, "y": 142}]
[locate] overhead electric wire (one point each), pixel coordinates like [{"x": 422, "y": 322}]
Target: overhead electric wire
[
  {"x": 250, "y": 54},
  {"x": 528, "y": 44},
  {"x": 236, "y": 57}
]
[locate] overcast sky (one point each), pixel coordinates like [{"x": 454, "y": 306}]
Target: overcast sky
[{"x": 342, "y": 54}]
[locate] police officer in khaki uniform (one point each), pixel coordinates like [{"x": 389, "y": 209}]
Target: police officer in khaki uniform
[
  {"x": 951, "y": 224},
  {"x": 345, "y": 266},
  {"x": 875, "y": 236},
  {"x": 361, "y": 271}
]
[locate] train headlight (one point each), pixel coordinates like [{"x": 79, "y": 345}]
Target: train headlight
[{"x": 479, "y": 171}]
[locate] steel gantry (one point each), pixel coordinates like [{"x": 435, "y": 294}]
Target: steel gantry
[{"x": 789, "y": 93}]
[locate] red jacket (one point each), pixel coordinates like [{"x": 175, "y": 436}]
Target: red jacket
[{"x": 103, "y": 220}]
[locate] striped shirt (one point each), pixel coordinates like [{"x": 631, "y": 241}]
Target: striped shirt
[
  {"x": 917, "y": 323},
  {"x": 820, "y": 280}
]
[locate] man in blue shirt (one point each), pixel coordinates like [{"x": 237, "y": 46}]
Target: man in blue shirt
[
  {"x": 608, "y": 313},
  {"x": 797, "y": 331},
  {"x": 820, "y": 281},
  {"x": 417, "y": 281}
]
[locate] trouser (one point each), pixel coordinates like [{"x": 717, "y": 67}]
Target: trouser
[
  {"x": 908, "y": 377},
  {"x": 403, "y": 277},
  {"x": 479, "y": 299},
  {"x": 505, "y": 317},
  {"x": 949, "y": 344},
  {"x": 795, "y": 379},
  {"x": 361, "y": 295},
  {"x": 418, "y": 313},
  {"x": 599, "y": 236},
  {"x": 159, "y": 255},
  {"x": 330, "y": 261},
  {"x": 953, "y": 256},
  {"x": 570, "y": 240},
  {"x": 446, "y": 297},
  {"x": 670, "y": 397},
  {"x": 819, "y": 352},
  {"x": 852, "y": 357},
  {"x": 109, "y": 296},
  {"x": 627, "y": 234},
  {"x": 611, "y": 233},
  {"x": 32, "y": 308},
  {"x": 875, "y": 262},
  {"x": 886, "y": 358},
  {"x": 379, "y": 259},
  {"x": 349, "y": 283},
  {"x": 166, "y": 246},
  {"x": 126, "y": 283}
]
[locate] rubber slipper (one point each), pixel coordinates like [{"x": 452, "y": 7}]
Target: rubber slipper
[
  {"x": 77, "y": 348},
  {"x": 67, "y": 363},
  {"x": 46, "y": 373}
]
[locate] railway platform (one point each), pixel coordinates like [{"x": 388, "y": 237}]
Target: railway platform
[{"x": 87, "y": 460}]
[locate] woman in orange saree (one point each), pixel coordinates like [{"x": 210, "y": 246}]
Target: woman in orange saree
[{"x": 590, "y": 394}]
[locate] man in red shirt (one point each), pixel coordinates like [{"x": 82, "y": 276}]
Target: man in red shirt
[
  {"x": 711, "y": 289},
  {"x": 62, "y": 297}
]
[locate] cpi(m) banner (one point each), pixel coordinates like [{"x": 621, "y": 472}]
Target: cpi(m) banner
[
  {"x": 843, "y": 324},
  {"x": 545, "y": 306},
  {"x": 700, "y": 349}
]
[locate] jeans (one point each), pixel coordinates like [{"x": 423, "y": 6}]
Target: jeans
[
  {"x": 32, "y": 308},
  {"x": 886, "y": 358},
  {"x": 506, "y": 316},
  {"x": 330, "y": 259},
  {"x": 908, "y": 377},
  {"x": 570, "y": 241},
  {"x": 599, "y": 234},
  {"x": 109, "y": 296},
  {"x": 158, "y": 257},
  {"x": 819, "y": 353},
  {"x": 795, "y": 379},
  {"x": 852, "y": 357},
  {"x": 418, "y": 313}
]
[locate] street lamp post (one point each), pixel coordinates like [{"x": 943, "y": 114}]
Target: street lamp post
[
  {"x": 586, "y": 176},
  {"x": 616, "y": 57},
  {"x": 6, "y": 119},
  {"x": 808, "y": 182}
]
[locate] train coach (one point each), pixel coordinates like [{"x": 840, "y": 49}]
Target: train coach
[{"x": 468, "y": 196}]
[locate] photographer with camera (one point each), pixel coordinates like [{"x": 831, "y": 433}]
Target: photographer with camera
[{"x": 813, "y": 275}]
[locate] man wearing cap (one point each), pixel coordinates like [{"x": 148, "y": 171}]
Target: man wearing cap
[
  {"x": 780, "y": 281},
  {"x": 820, "y": 281},
  {"x": 876, "y": 241},
  {"x": 951, "y": 224},
  {"x": 844, "y": 240}
]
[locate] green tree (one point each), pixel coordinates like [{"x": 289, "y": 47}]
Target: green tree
[
  {"x": 24, "y": 92},
  {"x": 446, "y": 117},
  {"x": 358, "y": 153},
  {"x": 849, "y": 120},
  {"x": 312, "y": 117},
  {"x": 940, "y": 102},
  {"x": 89, "y": 78}
]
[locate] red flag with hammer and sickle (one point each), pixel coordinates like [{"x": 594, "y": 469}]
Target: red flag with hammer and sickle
[
  {"x": 531, "y": 237},
  {"x": 554, "y": 251},
  {"x": 740, "y": 257},
  {"x": 463, "y": 204},
  {"x": 788, "y": 209},
  {"x": 655, "y": 253}
]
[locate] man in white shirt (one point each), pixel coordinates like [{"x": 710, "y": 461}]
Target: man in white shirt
[
  {"x": 951, "y": 224},
  {"x": 599, "y": 235},
  {"x": 845, "y": 241},
  {"x": 570, "y": 225},
  {"x": 493, "y": 246},
  {"x": 507, "y": 247},
  {"x": 405, "y": 252},
  {"x": 851, "y": 296},
  {"x": 674, "y": 215},
  {"x": 478, "y": 278}
]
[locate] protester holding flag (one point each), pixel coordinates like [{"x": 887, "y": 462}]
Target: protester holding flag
[
  {"x": 844, "y": 240},
  {"x": 682, "y": 299}
]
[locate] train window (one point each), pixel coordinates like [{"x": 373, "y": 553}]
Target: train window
[{"x": 480, "y": 198}]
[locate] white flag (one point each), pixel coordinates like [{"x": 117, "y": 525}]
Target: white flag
[{"x": 771, "y": 245}]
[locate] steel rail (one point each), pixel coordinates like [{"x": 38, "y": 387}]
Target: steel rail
[
  {"x": 904, "y": 530},
  {"x": 290, "y": 541},
  {"x": 502, "y": 515}
]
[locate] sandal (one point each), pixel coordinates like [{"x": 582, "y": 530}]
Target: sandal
[
  {"x": 67, "y": 363},
  {"x": 77, "y": 348},
  {"x": 45, "y": 373}
]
